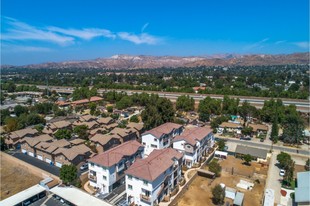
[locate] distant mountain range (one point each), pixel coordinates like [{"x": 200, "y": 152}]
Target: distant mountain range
[{"x": 141, "y": 61}]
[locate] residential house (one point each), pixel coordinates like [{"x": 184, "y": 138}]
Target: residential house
[
  {"x": 125, "y": 134},
  {"x": 149, "y": 180},
  {"x": 302, "y": 190},
  {"x": 87, "y": 118},
  {"x": 194, "y": 143},
  {"x": 230, "y": 127},
  {"x": 90, "y": 124},
  {"x": 160, "y": 137},
  {"x": 259, "y": 129},
  {"x": 52, "y": 127},
  {"x": 106, "y": 170},
  {"x": 258, "y": 154},
  {"x": 104, "y": 142},
  {"x": 27, "y": 144},
  {"x": 105, "y": 121},
  {"x": 136, "y": 127},
  {"x": 45, "y": 149},
  {"x": 13, "y": 138},
  {"x": 77, "y": 141},
  {"x": 83, "y": 102},
  {"x": 73, "y": 155}
]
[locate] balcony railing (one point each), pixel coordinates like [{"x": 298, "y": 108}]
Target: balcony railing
[
  {"x": 145, "y": 198},
  {"x": 92, "y": 178}
]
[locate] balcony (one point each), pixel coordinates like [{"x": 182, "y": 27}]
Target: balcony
[
  {"x": 145, "y": 198},
  {"x": 92, "y": 178}
]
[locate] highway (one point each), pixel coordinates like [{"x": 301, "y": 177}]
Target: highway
[
  {"x": 302, "y": 105},
  {"x": 266, "y": 146}
]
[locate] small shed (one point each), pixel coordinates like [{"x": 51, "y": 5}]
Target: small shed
[
  {"x": 230, "y": 193},
  {"x": 239, "y": 199},
  {"x": 205, "y": 173}
]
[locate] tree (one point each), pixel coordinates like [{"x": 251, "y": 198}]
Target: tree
[
  {"x": 123, "y": 124},
  {"x": 63, "y": 134},
  {"x": 208, "y": 107},
  {"x": 246, "y": 110},
  {"x": 124, "y": 103},
  {"x": 221, "y": 144},
  {"x": 215, "y": 167},
  {"x": 4, "y": 113},
  {"x": 11, "y": 124},
  {"x": 289, "y": 172},
  {"x": 185, "y": 103},
  {"x": 218, "y": 120},
  {"x": 307, "y": 165},
  {"x": 39, "y": 128},
  {"x": 68, "y": 174},
  {"x": 134, "y": 118},
  {"x": 247, "y": 158},
  {"x": 110, "y": 109},
  {"x": 18, "y": 110},
  {"x": 230, "y": 106},
  {"x": 81, "y": 131},
  {"x": 247, "y": 130},
  {"x": 218, "y": 195},
  {"x": 2, "y": 143},
  {"x": 283, "y": 159},
  {"x": 92, "y": 107},
  {"x": 274, "y": 131},
  {"x": 2, "y": 97},
  {"x": 33, "y": 119}
]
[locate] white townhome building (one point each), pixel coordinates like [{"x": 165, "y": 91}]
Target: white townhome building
[
  {"x": 160, "y": 137},
  {"x": 149, "y": 180},
  {"x": 193, "y": 143},
  {"x": 106, "y": 170}
]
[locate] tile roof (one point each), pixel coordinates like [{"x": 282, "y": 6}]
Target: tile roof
[
  {"x": 61, "y": 124},
  {"x": 22, "y": 133},
  {"x": 230, "y": 125},
  {"x": 61, "y": 143},
  {"x": 154, "y": 165},
  {"x": 94, "y": 131},
  {"x": 88, "y": 124},
  {"x": 163, "y": 129},
  {"x": 259, "y": 127},
  {"x": 255, "y": 152},
  {"x": 120, "y": 132},
  {"x": 193, "y": 134},
  {"x": 73, "y": 152},
  {"x": 77, "y": 141},
  {"x": 46, "y": 147},
  {"x": 137, "y": 126},
  {"x": 104, "y": 120},
  {"x": 87, "y": 117},
  {"x": 116, "y": 154},
  {"x": 104, "y": 138}
]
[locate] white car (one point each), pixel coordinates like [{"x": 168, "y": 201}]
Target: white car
[{"x": 282, "y": 173}]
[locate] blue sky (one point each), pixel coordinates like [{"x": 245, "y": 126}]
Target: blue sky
[{"x": 39, "y": 31}]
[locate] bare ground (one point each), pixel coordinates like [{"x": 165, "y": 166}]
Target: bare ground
[
  {"x": 199, "y": 192},
  {"x": 15, "y": 177}
]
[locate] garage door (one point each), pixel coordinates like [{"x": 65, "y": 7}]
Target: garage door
[
  {"x": 39, "y": 157},
  {"x": 48, "y": 160},
  {"x": 31, "y": 154},
  {"x": 24, "y": 151},
  {"x": 58, "y": 164}
]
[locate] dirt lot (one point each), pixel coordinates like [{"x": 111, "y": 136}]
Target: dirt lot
[
  {"x": 199, "y": 192},
  {"x": 15, "y": 177}
]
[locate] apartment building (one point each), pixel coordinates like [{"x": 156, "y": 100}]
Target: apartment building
[
  {"x": 160, "y": 137},
  {"x": 106, "y": 170},
  {"x": 149, "y": 180},
  {"x": 194, "y": 143}
]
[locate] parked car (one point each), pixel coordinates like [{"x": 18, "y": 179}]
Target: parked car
[
  {"x": 245, "y": 138},
  {"x": 282, "y": 172},
  {"x": 84, "y": 166}
]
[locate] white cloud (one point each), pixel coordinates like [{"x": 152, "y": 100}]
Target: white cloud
[
  {"x": 144, "y": 27},
  {"x": 280, "y": 42},
  {"x": 23, "y": 31},
  {"x": 142, "y": 38},
  {"x": 303, "y": 44},
  {"x": 87, "y": 34},
  {"x": 259, "y": 44}
]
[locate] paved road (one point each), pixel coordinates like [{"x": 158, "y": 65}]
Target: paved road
[
  {"x": 266, "y": 146},
  {"x": 302, "y": 105},
  {"x": 273, "y": 178},
  {"x": 36, "y": 162}
]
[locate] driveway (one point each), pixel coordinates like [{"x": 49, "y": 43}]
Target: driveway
[
  {"x": 274, "y": 179},
  {"x": 36, "y": 162}
]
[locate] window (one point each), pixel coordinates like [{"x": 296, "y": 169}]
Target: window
[
  {"x": 155, "y": 140},
  {"x": 104, "y": 177},
  {"x": 153, "y": 145},
  {"x": 143, "y": 143},
  {"x": 130, "y": 187},
  {"x": 145, "y": 182},
  {"x": 92, "y": 164},
  {"x": 129, "y": 177}
]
